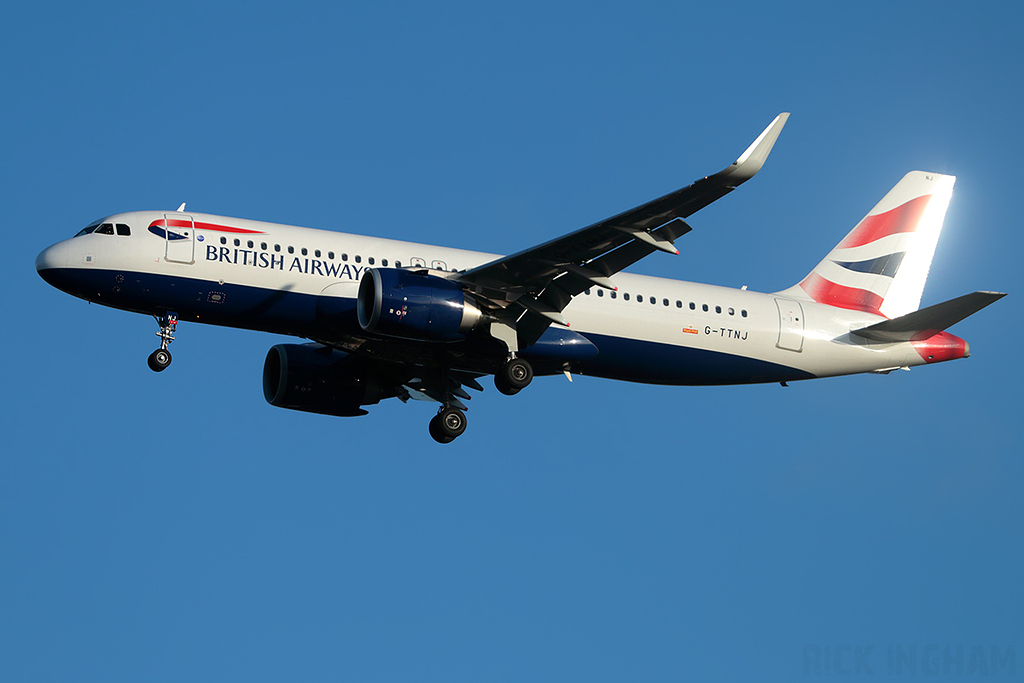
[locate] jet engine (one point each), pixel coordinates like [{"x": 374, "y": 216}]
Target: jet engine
[
  {"x": 412, "y": 305},
  {"x": 318, "y": 379}
]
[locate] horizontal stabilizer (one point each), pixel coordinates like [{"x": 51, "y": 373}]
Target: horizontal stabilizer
[{"x": 929, "y": 321}]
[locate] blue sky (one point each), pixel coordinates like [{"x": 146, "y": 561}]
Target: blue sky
[{"x": 176, "y": 527}]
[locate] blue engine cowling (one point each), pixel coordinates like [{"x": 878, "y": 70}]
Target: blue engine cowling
[
  {"x": 411, "y": 305},
  {"x": 318, "y": 379}
]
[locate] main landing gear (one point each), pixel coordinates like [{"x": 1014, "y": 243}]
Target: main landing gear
[
  {"x": 513, "y": 377},
  {"x": 450, "y": 421},
  {"x": 161, "y": 358},
  {"x": 448, "y": 424}
]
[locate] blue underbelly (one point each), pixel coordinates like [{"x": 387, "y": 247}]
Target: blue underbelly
[{"x": 329, "y": 318}]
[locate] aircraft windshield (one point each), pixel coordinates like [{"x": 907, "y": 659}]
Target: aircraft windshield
[
  {"x": 101, "y": 228},
  {"x": 89, "y": 228}
]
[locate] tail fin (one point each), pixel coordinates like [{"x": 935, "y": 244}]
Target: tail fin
[{"x": 882, "y": 265}]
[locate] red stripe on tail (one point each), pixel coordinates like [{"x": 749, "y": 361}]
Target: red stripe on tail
[
  {"x": 827, "y": 292},
  {"x": 903, "y": 218}
]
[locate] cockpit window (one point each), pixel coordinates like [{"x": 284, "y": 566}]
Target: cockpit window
[
  {"x": 105, "y": 229},
  {"x": 89, "y": 228},
  {"x": 123, "y": 229}
]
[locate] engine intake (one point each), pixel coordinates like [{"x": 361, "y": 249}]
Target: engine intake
[
  {"x": 318, "y": 379},
  {"x": 411, "y": 305}
]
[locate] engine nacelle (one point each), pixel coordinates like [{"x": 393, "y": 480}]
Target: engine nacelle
[
  {"x": 318, "y": 379},
  {"x": 411, "y": 305}
]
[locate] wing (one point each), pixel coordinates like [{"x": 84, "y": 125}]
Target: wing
[{"x": 528, "y": 290}]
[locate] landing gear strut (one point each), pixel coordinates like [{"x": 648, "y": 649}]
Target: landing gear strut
[
  {"x": 161, "y": 358},
  {"x": 448, "y": 424},
  {"x": 513, "y": 377}
]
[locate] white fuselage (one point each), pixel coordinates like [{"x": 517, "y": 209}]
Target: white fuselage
[{"x": 266, "y": 276}]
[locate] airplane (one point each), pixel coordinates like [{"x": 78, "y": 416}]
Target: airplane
[{"x": 392, "y": 319}]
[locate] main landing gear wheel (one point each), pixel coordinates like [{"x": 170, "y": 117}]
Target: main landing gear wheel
[
  {"x": 513, "y": 377},
  {"x": 447, "y": 425},
  {"x": 159, "y": 360}
]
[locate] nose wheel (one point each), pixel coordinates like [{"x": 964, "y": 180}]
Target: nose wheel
[
  {"x": 447, "y": 425},
  {"x": 161, "y": 358}
]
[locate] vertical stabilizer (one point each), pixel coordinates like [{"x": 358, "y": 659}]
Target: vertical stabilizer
[{"x": 882, "y": 265}]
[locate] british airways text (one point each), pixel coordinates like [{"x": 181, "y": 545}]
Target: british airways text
[{"x": 261, "y": 259}]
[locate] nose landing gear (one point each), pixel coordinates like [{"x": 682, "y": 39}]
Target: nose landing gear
[{"x": 161, "y": 358}]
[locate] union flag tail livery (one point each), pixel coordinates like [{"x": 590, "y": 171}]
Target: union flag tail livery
[
  {"x": 404, "y": 320},
  {"x": 882, "y": 265}
]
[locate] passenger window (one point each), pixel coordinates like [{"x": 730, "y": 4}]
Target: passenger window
[
  {"x": 679, "y": 304},
  {"x": 223, "y": 240},
  {"x": 625, "y": 296},
  {"x": 238, "y": 242},
  {"x": 370, "y": 260},
  {"x": 304, "y": 252},
  {"x": 704, "y": 308},
  {"x": 359, "y": 259},
  {"x": 743, "y": 313},
  {"x": 123, "y": 229},
  {"x": 277, "y": 247},
  {"x": 398, "y": 264},
  {"x": 317, "y": 253},
  {"x": 249, "y": 244},
  {"x": 718, "y": 309},
  {"x": 330, "y": 255},
  {"x": 664, "y": 302},
  {"x": 615, "y": 294},
  {"x": 732, "y": 311},
  {"x": 291, "y": 250},
  {"x": 384, "y": 262},
  {"x": 600, "y": 292},
  {"x": 693, "y": 306},
  {"x": 263, "y": 246},
  {"x": 344, "y": 257}
]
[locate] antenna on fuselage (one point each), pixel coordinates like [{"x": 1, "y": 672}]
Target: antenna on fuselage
[{"x": 181, "y": 208}]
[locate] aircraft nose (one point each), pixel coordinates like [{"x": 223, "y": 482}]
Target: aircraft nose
[{"x": 50, "y": 261}]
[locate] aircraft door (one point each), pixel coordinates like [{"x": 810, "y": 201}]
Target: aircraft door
[
  {"x": 180, "y": 236},
  {"x": 791, "y": 325}
]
